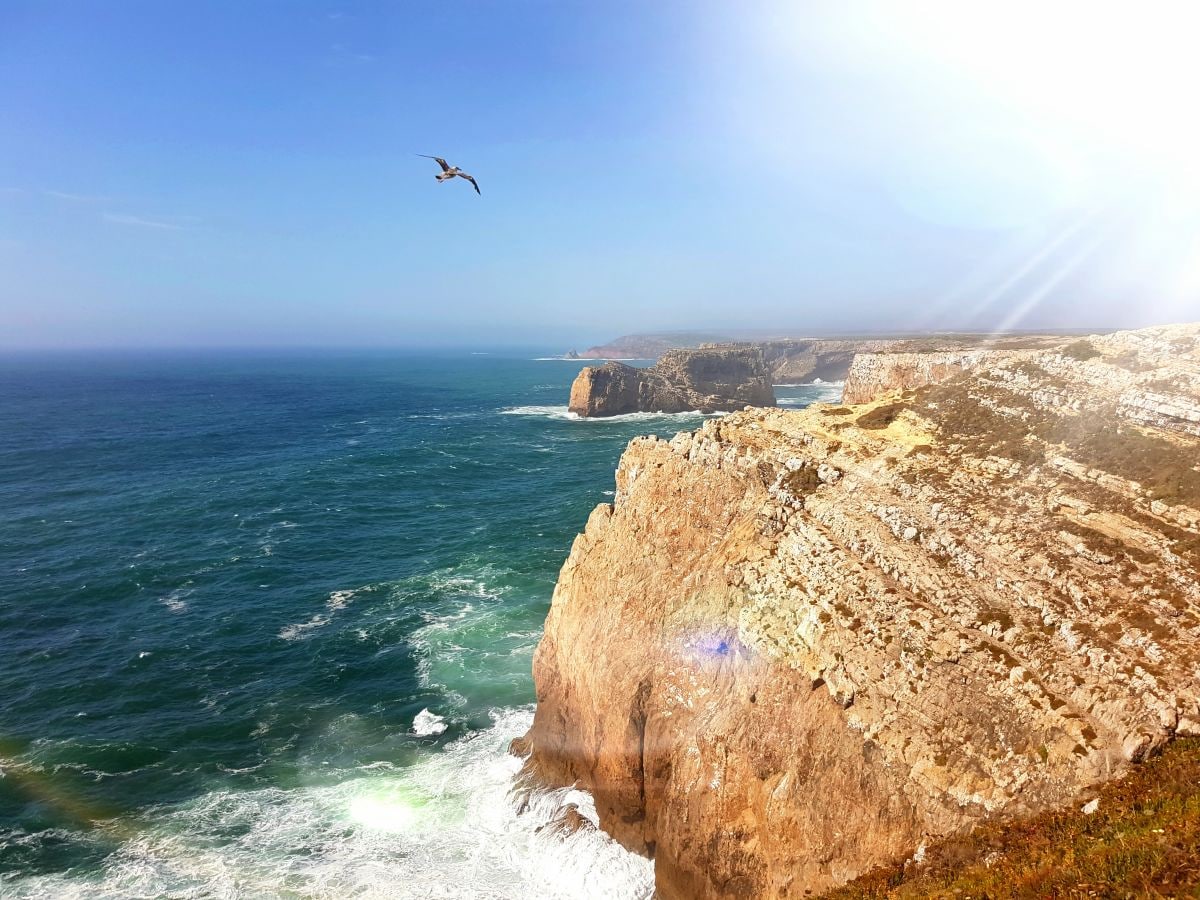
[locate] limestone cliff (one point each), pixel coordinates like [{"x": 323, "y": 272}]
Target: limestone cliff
[
  {"x": 682, "y": 380},
  {"x": 799, "y": 644},
  {"x": 804, "y": 360},
  {"x": 873, "y": 374},
  {"x": 826, "y": 359}
]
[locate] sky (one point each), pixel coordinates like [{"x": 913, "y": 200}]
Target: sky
[{"x": 227, "y": 173}]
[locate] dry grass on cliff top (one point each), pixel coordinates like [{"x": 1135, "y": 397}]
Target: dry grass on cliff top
[{"x": 1143, "y": 841}]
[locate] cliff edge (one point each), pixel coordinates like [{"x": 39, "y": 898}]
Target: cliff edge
[
  {"x": 708, "y": 380},
  {"x": 801, "y": 644}
]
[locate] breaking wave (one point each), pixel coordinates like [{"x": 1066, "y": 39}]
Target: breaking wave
[
  {"x": 338, "y": 600},
  {"x": 376, "y": 832},
  {"x": 562, "y": 412}
]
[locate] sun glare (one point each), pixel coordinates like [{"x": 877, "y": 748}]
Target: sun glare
[
  {"x": 1111, "y": 77},
  {"x": 391, "y": 808}
]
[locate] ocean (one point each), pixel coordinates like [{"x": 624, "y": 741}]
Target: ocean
[{"x": 267, "y": 621}]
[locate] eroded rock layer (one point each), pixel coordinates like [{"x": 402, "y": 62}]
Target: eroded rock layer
[
  {"x": 798, "y": 644},
  {"x": 709, "y": 380}
]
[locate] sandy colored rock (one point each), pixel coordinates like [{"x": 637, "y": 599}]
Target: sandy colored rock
[{"x": 800, "y": 644}]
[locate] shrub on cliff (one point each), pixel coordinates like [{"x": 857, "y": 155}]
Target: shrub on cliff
[{"x": 1142, "y": 839}]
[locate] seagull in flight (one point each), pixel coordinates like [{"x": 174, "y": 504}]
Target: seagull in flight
[{"x": 449, "y": 171}]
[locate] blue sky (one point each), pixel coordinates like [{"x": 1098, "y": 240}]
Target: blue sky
[{"x": 226, "y": 173}]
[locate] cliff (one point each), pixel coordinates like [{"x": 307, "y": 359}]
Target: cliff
[
  {"x": 802, "y": 644},
  {"x": 833, "y": 359},
  {"x": 647, "y": 346},
  {"x": 807, "y": 359},
  {"x": 873, "y": 374},
  {"x": 682, "y": 380},
  {"x": 795, "y": 361}
]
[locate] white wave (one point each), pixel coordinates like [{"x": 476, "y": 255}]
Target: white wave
[
  {"x": 553, "y": 412},
  {"x": 176, "y": 601},
  {"x": 446, "y": 828},
  {"x": 804, "y": 401},
  {"x": 562, "y": 412},
  {"x": 591, "y": 359},
  {"x": 814, "y": 383},
  {"x": 428, "y": 723},
  {"x": 338, "y": 600}
]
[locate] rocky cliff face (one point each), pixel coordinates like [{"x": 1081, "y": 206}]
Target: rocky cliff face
[
  {"x": 831, "y": 360},
  {"x": 682, "y": 380},
  {"x": 796, "y": 361},
  {"x": 873, "y": 374},
  {"x": 799, "y": 644}
]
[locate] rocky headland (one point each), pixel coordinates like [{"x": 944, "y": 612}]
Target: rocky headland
[
  {"x": 709, "y": 380},
  {"x": 794, "y": 360},
  {"x": 799, "y": 361},
  {"x": 648, "y": 346},
  {"x": 801, "y": 644}
]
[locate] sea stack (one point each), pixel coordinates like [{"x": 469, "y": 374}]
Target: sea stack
[
  {"x": 708, "y": 380},
  {"x": 800, "y": 644}
]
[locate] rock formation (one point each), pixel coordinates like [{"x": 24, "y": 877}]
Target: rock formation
[
  {"x": 795, "y": 360},
  {"x": 647, "y": 346},
  {"x": 801, "y": 643},
  {"x": 682, "y": 380},
  {"x": 798, "y": 361},
  {"x": 873, "y": 374}
]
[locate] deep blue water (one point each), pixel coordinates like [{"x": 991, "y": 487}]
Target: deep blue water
[{"x": 229, "y": 583}]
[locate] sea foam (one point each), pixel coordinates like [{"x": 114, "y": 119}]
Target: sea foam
[
  {"x": 446, "y": 827},
  {"x": 562, "y": 412}
]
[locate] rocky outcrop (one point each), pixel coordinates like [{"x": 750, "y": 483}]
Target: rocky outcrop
[
  {"x": 682, "y": 380},
  {"x": 873, "y": 374},
  {"x": 647, "y": 346},
  {"x": 799, "y": 361},
  {"x": 801, "y": 643}
]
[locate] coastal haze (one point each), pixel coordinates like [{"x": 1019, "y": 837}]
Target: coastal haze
[
  {"x": 212, "y": 175},
  {"x": 785, "y": 460}
]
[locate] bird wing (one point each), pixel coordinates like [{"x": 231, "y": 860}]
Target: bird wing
[
  {"x": 472, "y": 180},
  {"x": 441, "y": 162}
]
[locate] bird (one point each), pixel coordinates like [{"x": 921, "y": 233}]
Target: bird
[{"x": 449, "y": 171}]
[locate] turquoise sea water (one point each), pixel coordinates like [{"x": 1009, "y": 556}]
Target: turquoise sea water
[{"x": 266, "y": 622}]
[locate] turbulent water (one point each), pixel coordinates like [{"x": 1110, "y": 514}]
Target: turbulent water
[{"x": 266, "y": 623}]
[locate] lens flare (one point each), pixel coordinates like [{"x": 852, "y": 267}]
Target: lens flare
[{"x": 390, "y": 808}]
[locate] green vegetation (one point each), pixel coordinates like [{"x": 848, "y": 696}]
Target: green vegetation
[
  {"x": 801, "y": 482},
  {"x": 1143, "y": 841},
  {"x": 1099, "y": 439},
  {"x": 1081, "y": 350},
  {"x": 980, "y": 429},
  {"x": 1164, "y": 468},
  {"x": 880, "y": 416}
]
